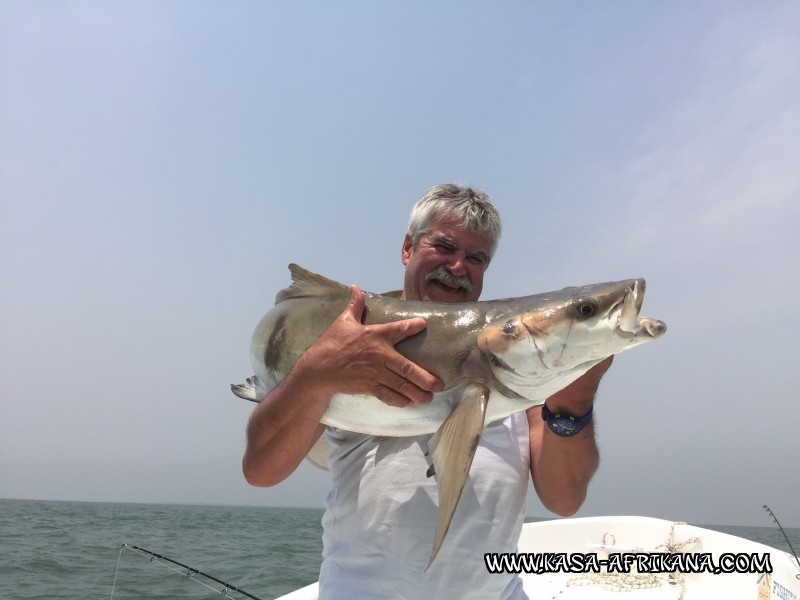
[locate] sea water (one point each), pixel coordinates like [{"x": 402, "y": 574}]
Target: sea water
[{"x": 54, "y": 550}]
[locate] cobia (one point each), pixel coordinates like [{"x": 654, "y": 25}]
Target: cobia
[{"x": 494, "y": 357}]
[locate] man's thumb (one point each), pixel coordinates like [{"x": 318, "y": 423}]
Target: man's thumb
[{"x": 356, "y": 305}]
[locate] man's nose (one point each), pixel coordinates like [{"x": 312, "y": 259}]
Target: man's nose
[{"x": 457, "y": 265}]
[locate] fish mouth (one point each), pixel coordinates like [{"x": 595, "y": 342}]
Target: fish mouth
[{"x": 627, "y": 313}]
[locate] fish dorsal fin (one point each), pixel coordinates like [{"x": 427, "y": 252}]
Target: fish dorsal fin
[
  {"x": 305, "y": 284},
  {"x": 393, "y": 294}
]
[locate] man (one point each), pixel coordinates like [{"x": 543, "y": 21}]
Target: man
[{"x": 381, "y": 511}]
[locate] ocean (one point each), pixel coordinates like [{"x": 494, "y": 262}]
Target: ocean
[
  {"x": 72, "y": 550},
  {"x": 55, "y": 550}
]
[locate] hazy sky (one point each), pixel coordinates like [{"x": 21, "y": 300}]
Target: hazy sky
[{"x": 162, "y": 162}]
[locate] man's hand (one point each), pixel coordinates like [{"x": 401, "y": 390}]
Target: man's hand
[
  {"x": 351, "y": 358},
  {"x": 577, "y": 398}
]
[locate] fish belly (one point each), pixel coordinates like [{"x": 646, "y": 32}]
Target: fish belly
[{"x": 366, "y": 414}]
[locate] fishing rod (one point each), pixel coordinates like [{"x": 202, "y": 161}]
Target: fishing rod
[
  {"x": 190, "y": 572},
  {"x": 775, "y": 520}
]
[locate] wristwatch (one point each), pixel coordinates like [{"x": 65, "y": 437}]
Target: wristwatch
[{"x": 565, "y": 425}]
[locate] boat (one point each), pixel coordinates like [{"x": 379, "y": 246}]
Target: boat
[{"x": 586, "y": 558}]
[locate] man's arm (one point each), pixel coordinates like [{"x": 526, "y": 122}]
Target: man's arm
[
  {"x": 561, "y": 467},
  {"x": 349, "y": 358}
]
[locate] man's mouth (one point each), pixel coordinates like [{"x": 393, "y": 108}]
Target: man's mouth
[
  {"x": 446, "y": 281},
  {"x": 447, "y": 290}
]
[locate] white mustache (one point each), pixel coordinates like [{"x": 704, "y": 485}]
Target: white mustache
[{"x": 443, "y": 275}]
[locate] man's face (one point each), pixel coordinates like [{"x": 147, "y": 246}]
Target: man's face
[{"x": 458, "y": 252}]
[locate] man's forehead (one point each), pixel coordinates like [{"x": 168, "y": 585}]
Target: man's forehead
[{"x": 456, "y": 233}]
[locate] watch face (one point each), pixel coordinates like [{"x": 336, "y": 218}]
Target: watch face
[{"x": 564, "y": 426}]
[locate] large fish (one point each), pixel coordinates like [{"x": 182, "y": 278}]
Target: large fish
[{"x": 494, "y": 357}]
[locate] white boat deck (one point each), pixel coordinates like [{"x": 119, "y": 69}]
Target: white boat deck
[
  {"x": 604, "y": 536},
  {"x": 598, "y": 538}
]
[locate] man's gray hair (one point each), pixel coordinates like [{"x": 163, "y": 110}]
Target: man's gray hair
[{"x": 469, "y": 208}]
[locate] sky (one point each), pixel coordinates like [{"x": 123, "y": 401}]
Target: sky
[{"x": 161, "y": 163}]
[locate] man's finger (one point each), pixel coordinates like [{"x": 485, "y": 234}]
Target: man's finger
[
  {"x": 406, "y": 388},
  {"x": 410, "y": 371},
  {"x": 390, "y": 397},
  {"x": 356, "y": 305},
  {"x": 400, "y": 330}
]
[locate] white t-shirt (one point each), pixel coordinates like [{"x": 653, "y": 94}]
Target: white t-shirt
[{"x": 381, "y": 512}]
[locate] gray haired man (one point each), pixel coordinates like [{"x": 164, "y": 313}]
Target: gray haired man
[{"x": 381, "y": 511}]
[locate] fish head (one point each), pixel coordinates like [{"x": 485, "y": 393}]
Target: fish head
[{"x": 563, "y": 334}]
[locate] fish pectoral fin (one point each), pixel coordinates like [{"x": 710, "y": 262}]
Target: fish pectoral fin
[
  {"x": 252, "y": 390},
  {"x": 319, "y": 452},
  {"x": 452, "y": 449}
]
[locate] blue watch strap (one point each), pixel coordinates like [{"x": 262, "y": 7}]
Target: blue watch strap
[{"x": 565, "y": 425}]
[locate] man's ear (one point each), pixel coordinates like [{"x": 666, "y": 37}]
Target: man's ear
[{"x": 408, "y": 250}]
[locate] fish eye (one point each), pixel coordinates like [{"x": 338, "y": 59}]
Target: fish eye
[
  {"x": 585, "y": 307},
  {"x": 510, "y": 327}
]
